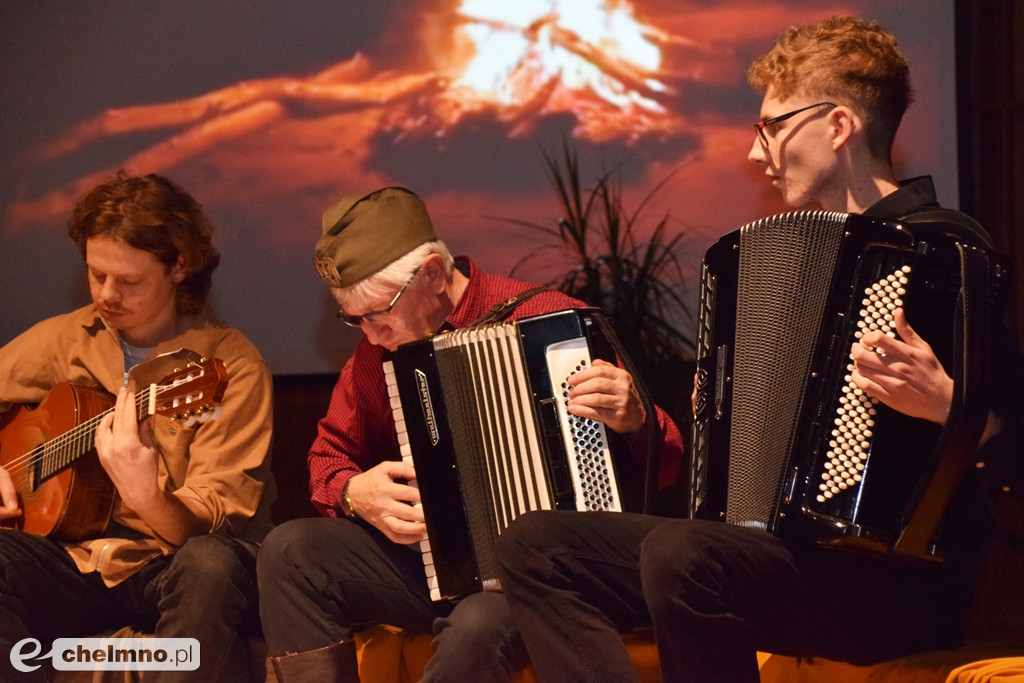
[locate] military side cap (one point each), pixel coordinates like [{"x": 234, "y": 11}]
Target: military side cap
[{"x": 364, "y": 234}]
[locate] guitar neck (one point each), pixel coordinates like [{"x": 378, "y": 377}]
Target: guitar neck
[{"x": 61, "y": 452}]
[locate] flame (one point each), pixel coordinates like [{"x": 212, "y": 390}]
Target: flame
[
  {"x": 515, "y": 62},
  {"x": 563, "y": 50}
]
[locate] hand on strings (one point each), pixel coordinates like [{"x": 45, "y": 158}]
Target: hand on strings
[
  {"x": 9, "y": 507},
  {"x": 606, "y": 393},
  {"x": 382, "y": 497},
  {"x": 903, "y": 373}
]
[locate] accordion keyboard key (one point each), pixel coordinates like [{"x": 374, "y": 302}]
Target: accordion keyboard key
[{"x": 406, "y": 451}]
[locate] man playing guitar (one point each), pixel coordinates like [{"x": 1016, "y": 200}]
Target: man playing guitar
[{"x": 177, "y": 503}]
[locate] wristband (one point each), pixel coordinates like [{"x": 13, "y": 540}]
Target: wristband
[{"x": 346, "y": 502}]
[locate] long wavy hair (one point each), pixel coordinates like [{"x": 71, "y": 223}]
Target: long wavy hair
[{"x": 152, "y": 214}]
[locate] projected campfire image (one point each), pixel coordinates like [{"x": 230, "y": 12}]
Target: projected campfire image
[
  {"x": 269, "y": 120},
  {"x": 505, "y": 73}
]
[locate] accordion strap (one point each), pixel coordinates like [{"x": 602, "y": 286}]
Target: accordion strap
[
  {"x": 958, "y": 441},
  {"x": 650, "y": 487},
  {"x": 503, "y": 309},
  {"x": 964, "y": 227}
]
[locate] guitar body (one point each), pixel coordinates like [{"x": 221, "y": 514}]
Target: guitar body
[
  {"x": 49, "y": 450},
  {"x": 77, "y": 502}
]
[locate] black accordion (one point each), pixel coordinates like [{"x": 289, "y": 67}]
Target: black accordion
[
  {"x": 480, "y": 412},
  {"x": 782, "y": 439}
]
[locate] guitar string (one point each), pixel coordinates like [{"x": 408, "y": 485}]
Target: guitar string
[{"x": 57, "y": 445}]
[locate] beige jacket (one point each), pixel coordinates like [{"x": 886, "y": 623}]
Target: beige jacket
[{"x": 223, "y": 464}]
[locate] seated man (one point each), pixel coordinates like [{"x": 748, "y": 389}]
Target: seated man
[
  {"x": 716, "y": 593},
  {"x": 322, "y": 580},
  {"x": 178, "y": 557}
]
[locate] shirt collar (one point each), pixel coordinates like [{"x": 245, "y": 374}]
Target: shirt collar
[
  {"x": 468, "y": 306},
  {"x": 913, "y": 195}
]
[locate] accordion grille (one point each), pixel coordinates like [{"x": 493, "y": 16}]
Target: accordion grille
[{"x": 786, "y": 264}]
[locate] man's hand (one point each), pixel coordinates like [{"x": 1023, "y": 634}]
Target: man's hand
[
  {"x": 9, "y": 507},
  {"x": 127, "y": 453},
  {"x": 904, "y": 373},
  {"x": 390, "y": 505},
  {"x": 606, "y": 393}
]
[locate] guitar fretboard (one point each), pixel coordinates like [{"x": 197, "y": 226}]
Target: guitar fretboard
[{"x": 60, "y": 453}]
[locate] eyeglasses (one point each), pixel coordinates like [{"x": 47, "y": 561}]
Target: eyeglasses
[
  {"x": 357, "y": 320},
  {"x": 761, "y": 125}
]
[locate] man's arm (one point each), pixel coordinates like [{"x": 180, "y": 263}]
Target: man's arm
[
  {"x": 128, "y": 454},
  {"x": 903, "y": 373},
  {"x": 217, "y": 471},
  {"x": 383, "y": 497},
  {"x": 9, "y": 507},
  {"x": 356, "y": 446},
  {"x": 606, "y": 393}
]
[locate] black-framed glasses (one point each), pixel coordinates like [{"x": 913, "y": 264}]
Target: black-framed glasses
[
  {"x": 357, "y": 320},
  {"x": 761, "y": 125}
]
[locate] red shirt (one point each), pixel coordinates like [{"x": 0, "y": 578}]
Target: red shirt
[{"x": 358, "y": 431}]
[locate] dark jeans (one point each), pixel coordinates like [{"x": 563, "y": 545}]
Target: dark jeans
[
  {"x": 324, "y": 579},
  {"x": 714, "y": 593},
  {"x": 572, "y": 583},
  {"x": 205, "y": 590}
]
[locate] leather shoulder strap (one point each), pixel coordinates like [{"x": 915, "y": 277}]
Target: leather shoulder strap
[
  {"x": 503, "y": 309},
  {"x": 964, "y": 227}
]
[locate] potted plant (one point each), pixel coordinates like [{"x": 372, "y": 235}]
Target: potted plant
[{"x": 618, "y": 262}]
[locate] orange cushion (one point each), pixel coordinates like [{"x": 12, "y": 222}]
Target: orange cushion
[
  {"x": 390, "y": 655},
  {"x": 967, "y": 664},
  {"x": 1000, "y": 670}
]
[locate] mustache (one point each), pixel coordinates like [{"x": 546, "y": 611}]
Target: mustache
[{"x": 112, "y": 308}]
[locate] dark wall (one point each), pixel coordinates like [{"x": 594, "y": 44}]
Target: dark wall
[
  {"x": 299, "y": 403},
  {"x": 990, "y": 90}
]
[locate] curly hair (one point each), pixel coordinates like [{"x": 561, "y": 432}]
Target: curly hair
[
  {"x": 845, "y": 60},
  {"x": 152, "y": 214}
]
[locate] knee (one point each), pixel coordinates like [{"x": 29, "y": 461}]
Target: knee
[
  {"x": 479, "y": 617},
  {"x": 214, "y": 557},
  {"x": 477, "y": 641},
  {"x": 674, "y": 551},
  {"x": 286, "y": 546},
  {"x": 528, "y": 534},
  {"x": 209, "y": 571}
]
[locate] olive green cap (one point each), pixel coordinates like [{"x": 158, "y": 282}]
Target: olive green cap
[{"x": 364, "y": 234}]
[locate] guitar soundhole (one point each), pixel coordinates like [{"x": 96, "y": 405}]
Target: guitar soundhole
[
  {"x": 35, "y": 474},
  {"x": 31, "y": 480}
]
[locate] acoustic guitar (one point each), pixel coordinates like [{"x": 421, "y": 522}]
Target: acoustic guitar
[{"x": 50, "y": 454}]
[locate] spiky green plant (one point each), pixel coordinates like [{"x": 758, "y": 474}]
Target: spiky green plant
[{"x": 638, "y": 282}]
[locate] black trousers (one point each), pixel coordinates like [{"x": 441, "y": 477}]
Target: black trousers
[
  {"x": 714, "y": 593},
  {"x": 324, "y": 579},
  {"x": 205, "y": 590}
]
